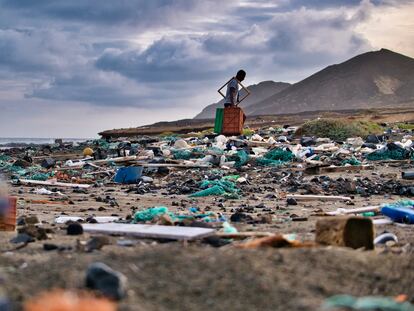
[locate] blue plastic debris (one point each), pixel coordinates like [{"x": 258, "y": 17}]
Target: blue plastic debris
[{"x": 128, "y": 175}]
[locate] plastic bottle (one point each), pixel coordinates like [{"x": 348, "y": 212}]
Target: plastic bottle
[{"x": 399, "y": 214}]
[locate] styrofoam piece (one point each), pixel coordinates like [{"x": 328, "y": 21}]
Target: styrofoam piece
[
  {"x": 150, "y": 231},
  {"x": 382, "y": 221}
]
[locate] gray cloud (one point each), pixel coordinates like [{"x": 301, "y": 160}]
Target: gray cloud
[
  {"x": 106, "y": 13},
  {"x": 92, "y": 50},
  {"x": 87, "y": 71},
  {"x": 165, "y": 60}
]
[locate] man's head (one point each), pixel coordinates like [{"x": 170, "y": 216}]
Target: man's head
[{"x": 241, "y": 74}]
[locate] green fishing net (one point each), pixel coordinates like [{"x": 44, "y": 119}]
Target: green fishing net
[
  {"x": 4, "y": 157},
  {"x": 223, "y": 187},
  {"x": 399, "y": 154},
  {"x": 187, "y": 154},
  {"x": 275, "y": 157},
  {"x": 182, "y": 154},
  {"x": 351, "y": 161},
  {"x": 155, "y": 212},
  {"x": 150, "y": 213},
  {"x": 33, "y": 172},
  {"x": 101, "y": 143},
  {"x": 366, "y": 303},
  {"x": 241, "y": 158}
]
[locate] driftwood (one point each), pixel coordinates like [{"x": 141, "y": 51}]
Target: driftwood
[
  {"x": 52, "y": 183},
  {"x": 333, "y": 169},
  {"x": 310, "y": 197},
  {"x": 343, "y": 211},
  {"x": 243, "y": 235},
  {"x": 150, "y": 231}
]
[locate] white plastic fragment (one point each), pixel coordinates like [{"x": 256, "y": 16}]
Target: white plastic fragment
[{"x": 181, "y": 144}]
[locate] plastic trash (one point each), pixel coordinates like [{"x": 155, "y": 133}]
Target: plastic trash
[
  {"x": 128, "y": 175},
  {"x": 242, "y": 180},
  {"x": 227, "y": 228},
  {"x": 398, "y": 214},
  {"x": 48, "y": 163},
  {"x": 259, "y": 150},
  {"x": 193, "y": 209},
  {"x": 257, "y": 137},
  {"x": 181, "y": 144},
  {"x": 44, "y": 191},
  {"x": 216, "y": 187},
  {"x": 351, "y": 161},
  {"x": 373, "y": 139},
  {"x": 147, "y": 179},
  {"x": 240, "y": 158},
  {"x": 275, "y": 157},
  {"x": 150, "y": 213},
  {"x": 166, "y": 153},
  {"x": 385, "y": 237},
  {"x": 215, "y": 190},
  {"x": 282, "y": 139},
  {"x": 391, "y": 151},
  {"x": 307, "y": 141},
  {"x": 221, "y": 139},
  {"x": 60, "y": 300},
  {"x": 407, "y": 175},
  {"x": 40, "y": 176},
  {"x": 182, "y": 154},
  {"x": 7, "y": 209},
  {"x": 4, "y": 201},
  {"x": 366, "y": 303},
  {"x": 271, "y": 141},
  {"x": 355, "y": 142}
]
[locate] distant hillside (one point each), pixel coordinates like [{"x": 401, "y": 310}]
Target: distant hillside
[
  {"x": 259, "y": 92},
  {"x": 371, "y": 80}
]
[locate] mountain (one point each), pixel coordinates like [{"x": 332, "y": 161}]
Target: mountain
[
  {"x": 259, "y": 92},
  {"x": 370, "y": 80}
]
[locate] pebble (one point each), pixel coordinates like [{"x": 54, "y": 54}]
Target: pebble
[
  {"x": 31, "y": 220},
  {"x": 50, "y": 247},
  {"x": 291, "y": 201},
  {"x": 240, "y": 217},
  {"x": 74, "y": 228},
  {"x": 5, "y": 304},
  {"x": 96, "y": 243},
  {"x": 22, "y": 238},
  {"x": 35, "y": 232},
  {"x": 110, "y": 283}
]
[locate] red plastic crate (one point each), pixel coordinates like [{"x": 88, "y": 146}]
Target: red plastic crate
[{"x": 233, "y": 121}]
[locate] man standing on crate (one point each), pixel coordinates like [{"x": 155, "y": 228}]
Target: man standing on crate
[{"x": 232, "y": 94}]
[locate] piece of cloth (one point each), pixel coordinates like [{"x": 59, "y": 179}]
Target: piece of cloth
[{"x": 232, "y": 84}]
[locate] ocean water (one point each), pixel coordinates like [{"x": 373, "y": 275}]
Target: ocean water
[{"x": 36, "y": 141}]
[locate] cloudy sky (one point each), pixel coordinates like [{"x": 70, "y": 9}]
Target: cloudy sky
[{"x": 74, "y": 68}]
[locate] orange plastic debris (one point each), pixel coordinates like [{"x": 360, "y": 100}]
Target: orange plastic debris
[
  {"x": 401, "y": 298},
  {"x": 60, "y": 300}
]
